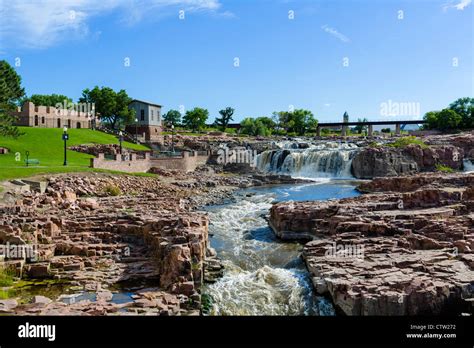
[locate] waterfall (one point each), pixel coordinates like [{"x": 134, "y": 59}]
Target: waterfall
[
  {"x": 262, "y": 275},
  {"x": 329, "y": 159},
  {"x": 469, "y": 165}
]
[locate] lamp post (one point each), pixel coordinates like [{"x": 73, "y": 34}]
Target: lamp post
[
  {"x": 120, "y": 140},
  {"x": 172, "y": 140},
  {"x": 65, "y": 138},
  {"x": 136, "y": 130}
]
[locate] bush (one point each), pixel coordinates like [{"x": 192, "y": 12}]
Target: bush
[
  {"x": 374, "y": 144},
  {"x": 405, "y": 141},
  {"x": 112, "y": 190},
  {"x": 444, "y": 169},
  {"x": 6, "y": 277}
]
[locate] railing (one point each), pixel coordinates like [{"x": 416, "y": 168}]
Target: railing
[{"x": 126, "y": 136}]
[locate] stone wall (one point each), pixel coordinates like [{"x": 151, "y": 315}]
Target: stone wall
[
  {"x": 130, "y": 165},
  {"x": 187, "y": 163},
  {"x": 146, "y": 133},
  {"x": 32, "y": 115}
]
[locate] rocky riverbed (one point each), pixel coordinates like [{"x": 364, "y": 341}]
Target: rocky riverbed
[
  {"x": 405, "y": 249},
  {"x": 101, "y": 237},
  {"x": 120, "y": 244}
]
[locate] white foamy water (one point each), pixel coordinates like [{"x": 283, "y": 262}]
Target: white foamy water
[
  {"x": 468, "y": 166},
  {"x": 324, "y": 160},
  {"x": 263, "y": 276}
]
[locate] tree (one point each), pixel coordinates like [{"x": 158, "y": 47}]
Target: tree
[
  {"x": 47, "y": 99},
  {"x": 226, "y": 117},
  {"x": 260, "y": 126},
  {"x": 432, "y": 118},
  {"x": 267, "y": 122},
  {"x": 247, "y": 126},
  {"x": 360, "y": 128},
  {"x": 110, "y": 106},
  {"x": 448, "y": 119},
  {"x": 464, "y": 107},
  {"x": 10, "y": 93},
  {"x": 195, "y": 119},
  {"x": 299, "y": 121},
  {"x": 443, "y": 120},
  {"x": 172, "y": 117}
]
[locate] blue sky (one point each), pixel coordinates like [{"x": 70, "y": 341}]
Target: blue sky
[{"x": 422, "y": 55}]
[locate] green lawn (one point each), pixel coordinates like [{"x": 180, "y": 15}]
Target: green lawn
[{"x": 46, "y": 145}]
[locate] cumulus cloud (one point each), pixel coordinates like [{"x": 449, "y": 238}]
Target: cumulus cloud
[
  {"x": 459, "y": 5},
  {"x": 42, "y": 23},
  {"x": 335, "y": 33}
]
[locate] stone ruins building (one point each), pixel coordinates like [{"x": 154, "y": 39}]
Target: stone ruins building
[{"x": 32, "y": 115}]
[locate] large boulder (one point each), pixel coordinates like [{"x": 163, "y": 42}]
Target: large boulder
[
  {"x": 385, "y": 161},
  {"x": 389, "y": 161}
]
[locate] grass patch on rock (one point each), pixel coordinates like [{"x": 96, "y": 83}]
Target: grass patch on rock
[
  {"x": 112, "y": 190},
  {"x": 405, "y": 141},
  {"x": 444, "y": 169}
]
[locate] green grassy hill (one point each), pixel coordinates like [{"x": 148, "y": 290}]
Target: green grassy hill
[{"x": 46, "y": 145}]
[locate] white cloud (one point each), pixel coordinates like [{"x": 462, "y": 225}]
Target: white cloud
[
  {"x": 43, "y": 23},
  {"x": 335, "y": 33},
  {"x": 458, "y": 5}
]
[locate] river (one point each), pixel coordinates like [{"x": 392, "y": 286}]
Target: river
[{"x": 265, "y": 276}]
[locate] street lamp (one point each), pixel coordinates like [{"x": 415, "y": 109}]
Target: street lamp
[
  {"x": 120, "y": 140},
  {"x": 172, "y": 140},
  {"x": 65, "y": 138},
  {"x": 136, "y": 130}
]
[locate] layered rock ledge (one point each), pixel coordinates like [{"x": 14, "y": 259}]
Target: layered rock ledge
[
  {"x": 405, "y": 250},
  {"x": 100, "y": 233}
]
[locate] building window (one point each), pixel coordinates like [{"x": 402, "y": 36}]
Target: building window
[
  {"x": 59, "y": 123},
  {"x": 68, "y": 123},
  {"x": 78, "y": 125},
  {"x": 152, "y": 115},
  {"x": 142, "y": 115},
  {"x": 42, "y": 120},
  {"x": 36, "y": 120}
]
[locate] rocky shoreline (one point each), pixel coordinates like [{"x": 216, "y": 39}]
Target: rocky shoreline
[
  {"x": 405, "y": 250},
  {"x": 104, "y": 235},
  {"x": 127, "y": 245}
]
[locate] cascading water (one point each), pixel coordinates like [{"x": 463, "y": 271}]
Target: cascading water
[
  {"x": 263, "y": 275},
  {"x": 468, "y": 166},
  {"x": 327, "y": 160}
]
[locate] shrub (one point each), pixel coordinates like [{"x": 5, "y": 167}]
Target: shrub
[
  {"x": 112, "y": 190},
  {"x": 444, "y": 169},
  {"x": 405, "y": 141},
  {"x": 6, "y": 277},
  {"x": 374, "y": 144}
]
